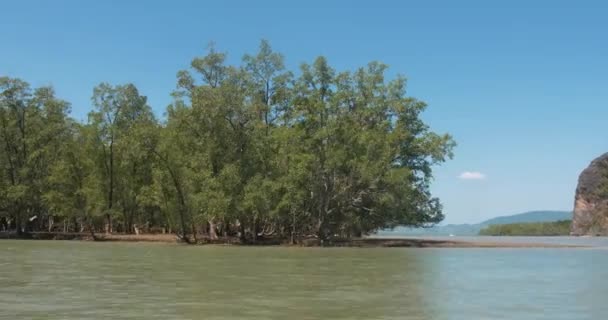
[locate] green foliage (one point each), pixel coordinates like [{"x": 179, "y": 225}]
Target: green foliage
[
  {"x": 602, "y": 190},
  {"x": 120, "y": 123},
  {"x": 252, "y": 150},
  {"x": 557, "y": 228},
  {"x": 33, "y": 124}
]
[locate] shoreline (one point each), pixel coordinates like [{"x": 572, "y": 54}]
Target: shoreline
[{"x": 356, "y": 243}]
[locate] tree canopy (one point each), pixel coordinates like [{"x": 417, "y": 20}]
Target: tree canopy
[{"x": 251, "y": 150}]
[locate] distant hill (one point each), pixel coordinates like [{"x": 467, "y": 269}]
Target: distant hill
[
  {"x": 532, "y": 216},
  {"x": 473, "y": 229},
  {"x": 554, "y": 228}
]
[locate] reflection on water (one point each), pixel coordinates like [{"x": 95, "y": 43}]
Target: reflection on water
[{"x": 81, "y": 280}]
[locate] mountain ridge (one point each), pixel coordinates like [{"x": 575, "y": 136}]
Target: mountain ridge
[{"x": 473, "y": 229}]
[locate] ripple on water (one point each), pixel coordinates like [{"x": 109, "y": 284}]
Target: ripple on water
[{"x": 74, "y": 280}]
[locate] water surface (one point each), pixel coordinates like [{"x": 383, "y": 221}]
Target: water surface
[
  {"x": 85, "y": 280},
  {"x": 596, "y": 242}
]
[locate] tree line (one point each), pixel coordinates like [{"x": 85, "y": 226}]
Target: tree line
[
  {"x": 555, "y": 228},
  {"x": 250, "y": 151}
]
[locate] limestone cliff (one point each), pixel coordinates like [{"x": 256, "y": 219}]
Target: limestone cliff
[{"x": 591, "y": 200}]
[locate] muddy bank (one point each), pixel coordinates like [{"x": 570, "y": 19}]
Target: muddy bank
[
  {"x": 89, "y": 237},
  {"x": 358, "y": 243}
]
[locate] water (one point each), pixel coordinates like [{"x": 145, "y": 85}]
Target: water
[
  {"x": 597, "y": 242},
  {"x": 85, "y": 280}
]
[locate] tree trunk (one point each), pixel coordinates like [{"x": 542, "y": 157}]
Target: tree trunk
[
  {"x": 91, "y": 226},
  {"x": 50, "y": 223},
  {"x": 321, "y": 231},
  {"x": 212, "y": 230},
  {"x": 225, "y": 228},
  {"x": 243, "y": 236},
  {"x": 126, "y": 224},
  {"x": 194, "y": 233},
  {"x": 18, "y": 226},
  {"x": 108, "y": 226},
  {"x": 111, "y": 191},
  {"x": 293, "y": 226},
  {"x": 255, "y": 230}
]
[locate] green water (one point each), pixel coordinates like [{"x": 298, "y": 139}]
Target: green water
[{"x": 83, "y": 280}]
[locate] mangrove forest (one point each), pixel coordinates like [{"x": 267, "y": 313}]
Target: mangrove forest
[{"x": 249, "y": 151}]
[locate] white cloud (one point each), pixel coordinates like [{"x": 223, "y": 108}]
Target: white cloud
[{"x": 472, "y": 175}]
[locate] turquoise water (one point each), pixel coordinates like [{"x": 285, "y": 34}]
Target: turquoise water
[{"x": 85, "y": 280}]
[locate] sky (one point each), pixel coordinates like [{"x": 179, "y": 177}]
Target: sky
[{"x": 520, "y": 85}]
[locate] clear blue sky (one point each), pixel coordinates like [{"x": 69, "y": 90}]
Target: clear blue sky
[{"x": 522, "y": 87}]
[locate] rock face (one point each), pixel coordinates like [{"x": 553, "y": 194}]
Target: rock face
[{"x": 591, "y": 201}]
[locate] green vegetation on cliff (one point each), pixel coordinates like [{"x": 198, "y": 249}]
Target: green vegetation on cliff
[
  {"x": 250, "y": 150},
  {"x": 557, "y": 228}
]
